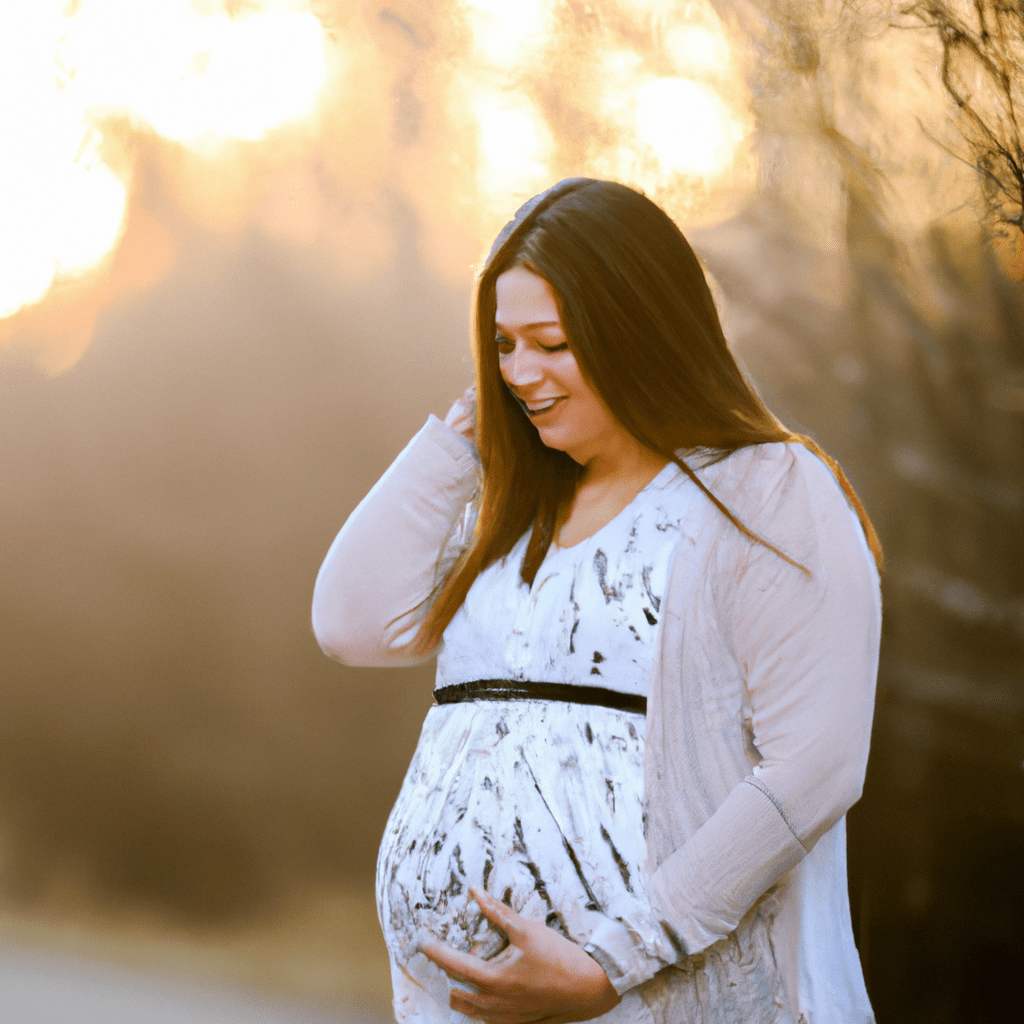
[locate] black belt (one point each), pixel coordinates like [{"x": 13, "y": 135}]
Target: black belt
[{"x": 516, "y": 689}]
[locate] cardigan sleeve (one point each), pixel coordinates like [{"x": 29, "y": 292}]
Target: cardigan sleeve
[
  {"x": 805, "y": 645},
  {"x": 375, "y": 583}
]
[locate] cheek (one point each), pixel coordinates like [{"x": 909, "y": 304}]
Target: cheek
[
  {"x": 593, "y": 415},
  {"x": 568, "y": 372},
  {"x": 576, "y": 384},
  {"x": 509, "y": 366}
]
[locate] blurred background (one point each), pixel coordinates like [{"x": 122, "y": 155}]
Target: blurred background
[{"x": 237, "y": 243}]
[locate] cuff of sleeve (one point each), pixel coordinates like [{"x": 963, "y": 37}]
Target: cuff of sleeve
[
  {"x": 622, "y": 955},
  {"x": 703, "y": 889},
  {"x": 455, "y": 444}
]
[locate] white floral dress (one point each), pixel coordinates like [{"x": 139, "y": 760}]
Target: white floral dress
[{"x": 538, "y": 801}]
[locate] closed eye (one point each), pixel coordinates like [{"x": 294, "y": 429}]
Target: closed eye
[{"x": 507, "y": 345}]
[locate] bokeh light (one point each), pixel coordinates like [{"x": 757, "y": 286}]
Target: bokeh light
[
  {"x": 467, "y": 109},
  {"x": 73, "y": 76},
  {"x": 514, "y": 145},
  {"x": 502, "y": 31},
  {"x": 238, "y": 238},
  {"x": 687, "y": 124}
]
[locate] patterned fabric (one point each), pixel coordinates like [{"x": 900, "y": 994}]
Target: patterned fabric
[
  {"x": 592, "y": 613},
  {"x": 501, "y": 795},
  {"x": 764, "y": 673}
]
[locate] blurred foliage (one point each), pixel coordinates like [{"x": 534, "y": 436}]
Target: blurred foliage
[
  {"x": 907, "y": 363},
  {"x": 982, "y": 69},
  {"x": 939, "y": 841},
  {"x": 169, "y": 734},
  {"x": 903, "y": 353}
]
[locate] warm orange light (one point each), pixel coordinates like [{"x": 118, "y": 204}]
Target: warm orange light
[
  {"x": 689, "y": 127},
  {"x": 192, "y": 77},
  {"x": 514, "y": 145},
  {"x": 69, "y": 71},
  {"x": 503, "y": 30},
  {"x": 670, "y": 117},
  {"x": 61, "y": 207}
]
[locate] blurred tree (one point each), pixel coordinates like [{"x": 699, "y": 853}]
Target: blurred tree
[
  {"x": 904, "y": 355},
  {"x": 983, "y": 71},
  {"x": 912, "y": 373}
]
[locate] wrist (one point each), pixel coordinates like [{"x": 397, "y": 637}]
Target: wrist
[{"x": 599, "y": 994}]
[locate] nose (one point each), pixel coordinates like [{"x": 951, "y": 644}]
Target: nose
[{"x": 521, "y": 367}]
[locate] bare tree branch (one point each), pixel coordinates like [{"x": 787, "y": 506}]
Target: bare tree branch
[{"x": 983, "y": 72}]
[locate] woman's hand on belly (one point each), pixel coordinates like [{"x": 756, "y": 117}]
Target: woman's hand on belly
[{"x": 541, "y": 976}]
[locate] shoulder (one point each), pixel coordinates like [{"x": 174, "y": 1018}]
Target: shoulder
[
  {"x": 786, "y": 495},
  {"x": 765, "y": 480}
]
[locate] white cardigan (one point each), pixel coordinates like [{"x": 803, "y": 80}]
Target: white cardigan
[{"x": 759, "y": 714}]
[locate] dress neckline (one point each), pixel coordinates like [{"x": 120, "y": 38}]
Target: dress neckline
[{"x": 657, "y": 482}]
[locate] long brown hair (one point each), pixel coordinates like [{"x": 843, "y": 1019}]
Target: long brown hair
[{"x": 639, "y": 318}]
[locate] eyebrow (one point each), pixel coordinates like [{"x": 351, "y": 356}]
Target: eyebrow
[{"x": 529, "y": 327}]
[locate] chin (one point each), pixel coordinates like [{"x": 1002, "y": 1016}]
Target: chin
[
  {"x": 553, "y": 439},
  {"x": 573, "y": 450}
]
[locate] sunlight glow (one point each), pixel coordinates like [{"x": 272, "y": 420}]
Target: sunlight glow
[
  {"x": 501, "y": 30},
  {"x": 686, "y": 123},
  {"x": 676, "y": 134},
  {"x": 72, "y": 75},
  {"x": 514, "y": 144},
  {"x": 194, "y": 77},
  {"x": 698, "y": 52}
]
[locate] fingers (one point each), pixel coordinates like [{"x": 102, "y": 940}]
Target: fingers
[
  {"x": 497, "y": 1012},
  {"x": 495, "y": 1009},
  {"x": 468, "y": 967},
  {"x": 459, "y": 966},
  {"x": 462, "y": 415},
  {"x": 500, "y": 915},
  {"x": 481, "y": 1004},
  {"x": 497, "y": 1017}
]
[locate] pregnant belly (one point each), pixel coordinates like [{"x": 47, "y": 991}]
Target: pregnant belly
[{"x": 540, "y": 803}]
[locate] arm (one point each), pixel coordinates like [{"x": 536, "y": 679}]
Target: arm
[
  {"x": 806, "y": 648},
  {"x": 398, "y": 543}
]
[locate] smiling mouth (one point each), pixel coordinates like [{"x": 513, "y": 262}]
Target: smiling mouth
[{"x": 536, "y": 408}]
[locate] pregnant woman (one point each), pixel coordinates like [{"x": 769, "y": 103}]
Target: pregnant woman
[{"x": 656, "y": 619}]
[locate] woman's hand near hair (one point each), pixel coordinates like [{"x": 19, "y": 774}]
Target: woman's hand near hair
[
  {"x": 540, "y": 977},
  {"x": 462, "y": 415}
]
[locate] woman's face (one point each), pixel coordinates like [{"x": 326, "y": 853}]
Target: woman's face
[{"x": 542, "y": 372}]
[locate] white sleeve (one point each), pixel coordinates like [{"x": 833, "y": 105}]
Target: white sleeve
[
  {"x": 630, "y": 947},
  {"x": 400, "y": 541},
  {"x": 806, "y": 647}
]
